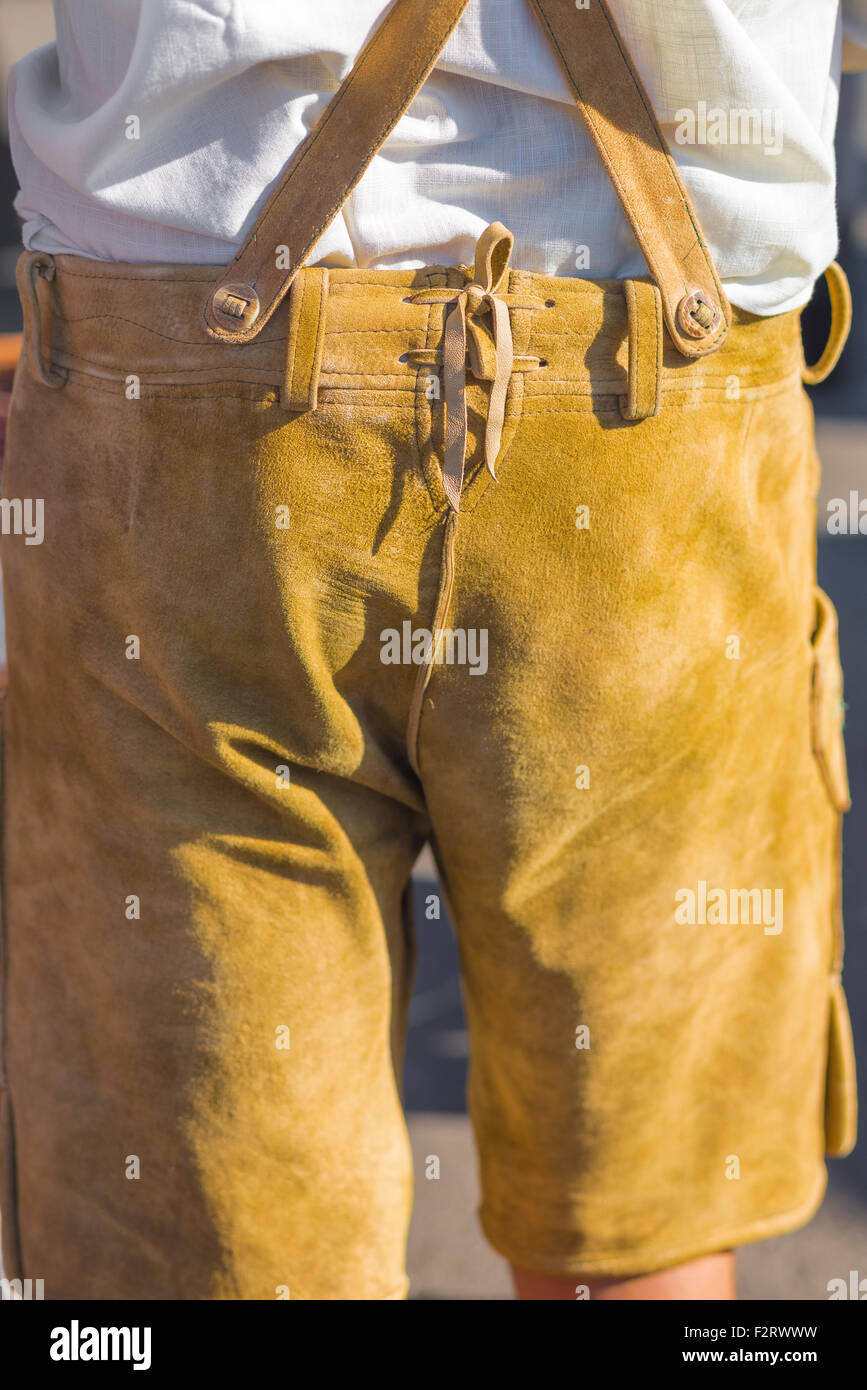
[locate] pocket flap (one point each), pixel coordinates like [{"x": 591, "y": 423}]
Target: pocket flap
[
  {"x": 827, "y": 704},
  {"x": 841, "y": 1105}
]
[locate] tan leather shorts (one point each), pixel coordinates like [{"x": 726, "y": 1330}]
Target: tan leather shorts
[{"x": 257, "y": 661}]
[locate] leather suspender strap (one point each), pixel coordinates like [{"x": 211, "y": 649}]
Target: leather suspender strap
[
  {"x": 386, "y": 76},
  {"x": 624, "y": 128}
]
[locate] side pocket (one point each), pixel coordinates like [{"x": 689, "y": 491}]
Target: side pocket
[
  {"x": 827, "y": 704},
  {"x": 827, "y": 713},
  {"x": 841, "y": 1096}
]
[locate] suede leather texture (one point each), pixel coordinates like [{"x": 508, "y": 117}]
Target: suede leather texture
[
  {"x": 620, "y": 118},
  {"x": 642, "y": 1090},
  {"x": 387, "y": 74}
]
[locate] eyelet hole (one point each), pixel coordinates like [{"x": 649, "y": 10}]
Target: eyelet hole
[
  {"x": 549, "y": 303},
  {"x": 543, "y": 361}
]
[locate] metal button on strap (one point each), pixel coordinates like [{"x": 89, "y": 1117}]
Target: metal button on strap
[
  {"x": 698, "y": 315},
  {"x": 235, "y": 306}
]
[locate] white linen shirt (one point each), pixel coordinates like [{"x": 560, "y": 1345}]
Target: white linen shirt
[{"x": 155, "y": 130}]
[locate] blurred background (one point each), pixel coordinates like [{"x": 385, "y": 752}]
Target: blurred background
[{"x": 448, "y": 1258}]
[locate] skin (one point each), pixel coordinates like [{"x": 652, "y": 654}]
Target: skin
[{"x": 711, "y": 1277}]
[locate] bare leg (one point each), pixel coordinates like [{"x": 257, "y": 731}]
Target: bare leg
[{"x": 711, "y": 1277}]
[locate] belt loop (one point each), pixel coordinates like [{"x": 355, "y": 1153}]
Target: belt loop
[
  {"x": 644, "y": 317},
  {"x": 30, "y": 265},
  {"x": 305, "y": 336},
  {"x": 841, "y": 321}
]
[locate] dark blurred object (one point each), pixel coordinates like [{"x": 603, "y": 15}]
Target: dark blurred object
[
  {"x": 10, "y": 245},
  {"x": 10, "y": 348}
]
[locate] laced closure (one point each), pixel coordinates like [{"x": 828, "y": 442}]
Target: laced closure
[{"x": 479, "y": 296}]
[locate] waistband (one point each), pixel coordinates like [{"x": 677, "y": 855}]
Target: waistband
[{"x": 346, "y": 332}]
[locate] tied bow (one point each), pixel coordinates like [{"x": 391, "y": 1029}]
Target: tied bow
[{"x": 491, "y": 265}]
